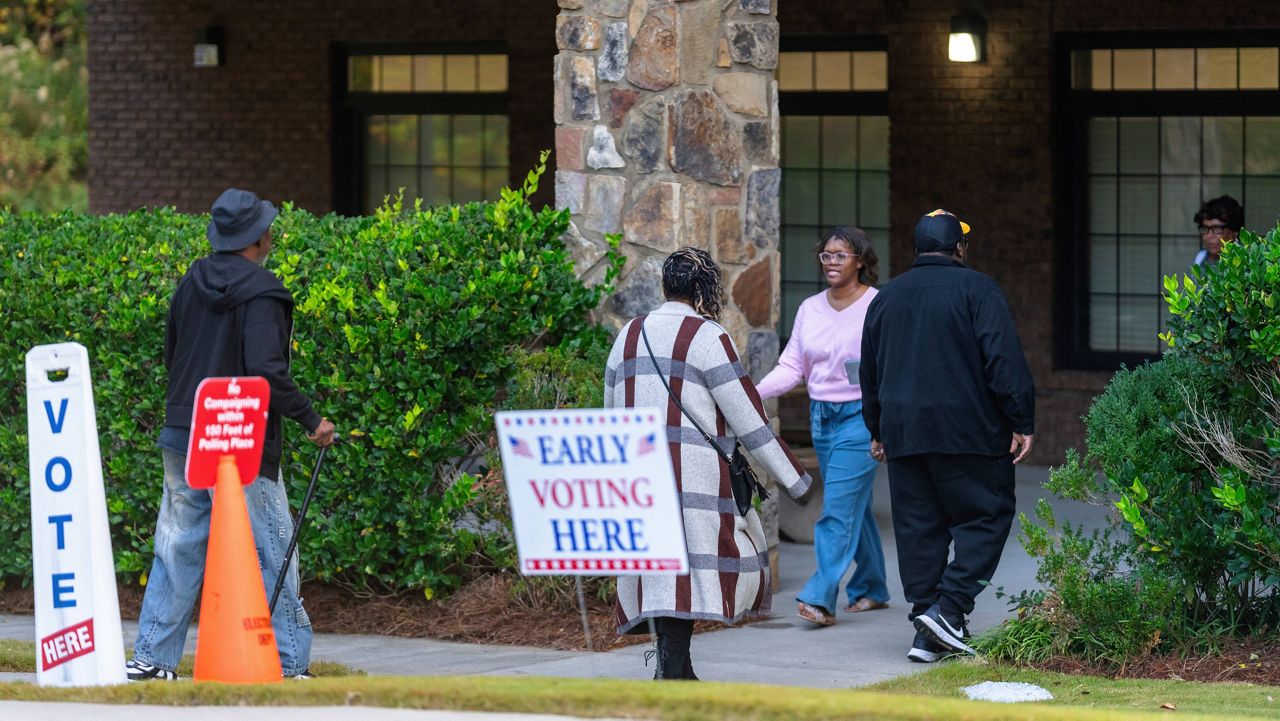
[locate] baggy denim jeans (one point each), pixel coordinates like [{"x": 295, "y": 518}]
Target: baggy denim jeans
[
  {"x": 847, "y": 532},
  {"x": 182, "y": 532}
]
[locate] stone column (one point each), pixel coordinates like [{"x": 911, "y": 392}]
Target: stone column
[{"x": 667, "y": 132}]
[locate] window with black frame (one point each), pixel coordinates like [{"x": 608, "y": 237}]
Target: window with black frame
[
  {"x": 1153, "y": 132},
  {"x": 833, "y": 98},
  {"x": 431, "y": 124}
]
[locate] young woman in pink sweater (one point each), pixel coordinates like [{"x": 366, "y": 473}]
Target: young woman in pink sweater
[{"x": 823, "y": 352}]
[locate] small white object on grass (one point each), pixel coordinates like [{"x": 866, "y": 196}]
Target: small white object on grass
[{"x": 1006, "y": 692}]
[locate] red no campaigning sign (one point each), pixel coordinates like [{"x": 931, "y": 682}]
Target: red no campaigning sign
[{"x": 230, "y": 419}]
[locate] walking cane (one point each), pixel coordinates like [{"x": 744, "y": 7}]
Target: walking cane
[{"x": 297, "y": 527}]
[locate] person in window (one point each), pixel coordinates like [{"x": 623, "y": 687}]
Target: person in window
[
  {"x": 824, "y": 352},
  {"x": 728, "y": 557},
  {"x": 1218, "y": 221}
]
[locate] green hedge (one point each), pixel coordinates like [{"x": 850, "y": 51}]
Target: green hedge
[
  {"x": 1187, "y": 450},
  {"x": 44, "y": 88},
  {"x": 549, "y": 378},
  {"x": 1164, "y": 494},
  {"x": 1228, "y": 319},
  {"x": 408, "y": 324}
]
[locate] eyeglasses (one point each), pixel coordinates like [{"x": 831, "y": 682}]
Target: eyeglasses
[
  {"x": 1218, "y": 230},
  {"x": 838, "y": 258}
]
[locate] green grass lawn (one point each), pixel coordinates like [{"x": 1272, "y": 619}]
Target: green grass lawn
[
  {"x": 17, "y": 656},
  {"x": 931, "y": 695},
  {"x": 586, "y": 698},
  {"x": 20, "y": 657},
  {"x": 1234, "y": 700}
]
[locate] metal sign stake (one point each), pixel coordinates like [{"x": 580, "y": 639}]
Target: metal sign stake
[{"x": 582, "y": 606}]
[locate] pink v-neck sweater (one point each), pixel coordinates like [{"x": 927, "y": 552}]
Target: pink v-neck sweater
[{"x": 822, "y": 339}]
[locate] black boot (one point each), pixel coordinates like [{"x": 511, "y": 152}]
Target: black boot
[
  {"x": 672, "y": 665},
  {"x": 664, "y": 669},
  {"x": 688, "y": 674},
  {"x": 673, "y": 649}
]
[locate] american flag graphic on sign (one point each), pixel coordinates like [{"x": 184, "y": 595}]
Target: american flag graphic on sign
[
  {"x": 520, "y": 448},
  {"x": 647, "y": 444}
]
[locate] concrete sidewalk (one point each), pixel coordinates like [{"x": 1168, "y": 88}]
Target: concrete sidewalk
[{"x": 860, "y": 649}]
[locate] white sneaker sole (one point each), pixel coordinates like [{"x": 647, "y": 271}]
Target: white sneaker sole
[
  {"x": 943, "y": 635},
  {"x": 919, "y": 655},
  {"x": 162, "y": 676}
]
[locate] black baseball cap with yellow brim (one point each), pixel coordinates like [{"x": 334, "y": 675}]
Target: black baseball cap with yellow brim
[{"x": 939, "y": 231}]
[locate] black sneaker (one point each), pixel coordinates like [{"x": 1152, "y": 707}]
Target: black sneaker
[
  {"x": 138, "y": 671},
  {"x": 925, "y": 650},
  {"x": 304, "y": 676},
  {"x": 948, "y": 631}
]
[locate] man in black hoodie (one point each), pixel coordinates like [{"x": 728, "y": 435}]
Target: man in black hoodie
[
  {"x": 949, "y": 401},
  {"x": 228, "y": 317}
]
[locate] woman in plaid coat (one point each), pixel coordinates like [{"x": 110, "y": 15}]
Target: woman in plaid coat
[{"x": 728, "y": 558}]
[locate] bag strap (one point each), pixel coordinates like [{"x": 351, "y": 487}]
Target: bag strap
[{"x": 679, "y": 405}]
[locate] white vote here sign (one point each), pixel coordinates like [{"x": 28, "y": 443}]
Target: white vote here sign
[
  {"x": 592, "y": 492},
  {"x": 78, "y": 639}
]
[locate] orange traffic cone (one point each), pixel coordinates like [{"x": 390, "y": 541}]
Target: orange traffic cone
[{"x": 235, "y": 643}]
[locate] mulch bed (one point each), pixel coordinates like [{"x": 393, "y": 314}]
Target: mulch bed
[
  {"x": 481, "y": 612},
  {"x": 1237, "y": 660}
]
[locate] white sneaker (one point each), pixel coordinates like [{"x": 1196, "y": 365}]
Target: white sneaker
[{"x": 138, "y": 671}]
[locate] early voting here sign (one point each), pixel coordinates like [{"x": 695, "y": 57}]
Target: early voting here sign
[
  {"x": 592, "y": 492},
  {"x": 78, "y": 639}
]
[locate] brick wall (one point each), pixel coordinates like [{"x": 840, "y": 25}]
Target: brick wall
[
  {"x": 162, "y": 132},
  {"x": 973, "y": 138},
  {"x": 976, "y": 139}
]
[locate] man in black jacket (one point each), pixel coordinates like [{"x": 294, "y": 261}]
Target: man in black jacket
[
  {"x": 228, "y": 317},
  {"x": 949, "y": 401}
]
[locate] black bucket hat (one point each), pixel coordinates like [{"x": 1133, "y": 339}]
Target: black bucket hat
[{"x": 238, "y": 219}]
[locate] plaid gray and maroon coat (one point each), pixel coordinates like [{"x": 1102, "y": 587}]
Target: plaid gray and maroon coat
[{"x": 728, "y": 559}]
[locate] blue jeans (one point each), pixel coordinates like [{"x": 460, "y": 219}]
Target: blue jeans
[
  {"x": 846, "y": 533},
  {"x": 182, "y": 532}
]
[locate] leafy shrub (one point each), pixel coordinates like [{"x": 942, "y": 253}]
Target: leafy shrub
[
  {"x": 1097, "y": 604},
  {"x": 44, "y": 88},
  {"x": 1189, "y": 448},
  {"x": 560, "y": 377},
  {"x": 1226, "y": 315},
  {"x": 1164, "y": 494},
  {"x": 556, "y": 377},
  {"x": 103, "y": 282},
  {"x": 408, "y": 324},
  {"x": 56, "y": 23},
  {"x": 1169, "y": 502},
  {"x": 1227, "y": 319}
]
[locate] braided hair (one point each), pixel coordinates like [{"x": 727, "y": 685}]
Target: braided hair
[{"x": 690, "y": 275}]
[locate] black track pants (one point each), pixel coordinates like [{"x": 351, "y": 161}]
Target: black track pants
[{"x": 939, "y": 500}]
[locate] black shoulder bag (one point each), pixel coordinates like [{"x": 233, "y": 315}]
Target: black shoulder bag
[{"x": 742, "y": 477}]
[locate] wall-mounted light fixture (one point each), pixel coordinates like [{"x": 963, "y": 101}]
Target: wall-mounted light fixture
[
  {"x": 968, "y": 38},
  {"x": 211, "y": 46}
]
